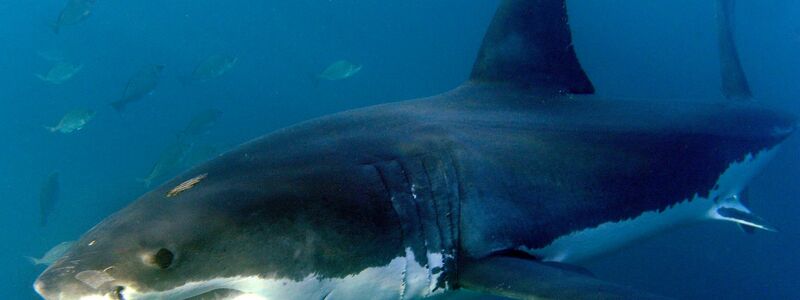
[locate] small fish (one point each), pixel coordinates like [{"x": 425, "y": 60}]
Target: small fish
[
  {"x": 73, "y": 13},
  {"x": 188, "y": 184},
  {"x": 201, "y": 122},
  {"x": 141, "y": 84},
  {"x": 199, "y": 154},
  {"x": 168, "y": 162},
  {"x": 339, "y": 70},
  {"x": 213, "y": 67},
  {"x": 48, "y": 196},
  {"x": 53, "y": 254},
  {"x": 60, "y": 72},
  {"x": 74, "y": 120}
]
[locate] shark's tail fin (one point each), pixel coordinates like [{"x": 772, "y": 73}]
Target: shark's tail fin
[
  {"x": 51, "y": 128},
  {"x": 529, "y": 44},
  {"x": 734, "y": 81}
]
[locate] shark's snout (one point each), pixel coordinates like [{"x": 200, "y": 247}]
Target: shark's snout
[
  {"x": 69, "y": 284},
  {"x": 38, "y": 286}
]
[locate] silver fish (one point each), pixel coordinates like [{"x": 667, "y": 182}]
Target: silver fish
[
  {"x": 168, "y": 162},
  {"x": 53, "y": 254},
  {"x": 201, "y": 122},
  {"x": 213, "y": 67},
  {"x": 73, "y": 13},
  {"x": 139, "y": 85},
  {"x": 339, "y": 70},
  {"x": 73, "y": 121},
  {"x": 60, "y": 73},
  {"x": 199, "y": 154}
]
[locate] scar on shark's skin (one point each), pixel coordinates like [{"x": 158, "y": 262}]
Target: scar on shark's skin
[{"x": 188, "y": 184}]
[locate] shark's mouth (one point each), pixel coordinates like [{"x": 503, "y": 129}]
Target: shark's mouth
[
  {"x": 403, "y": 277},
  {"x": 222, "y": 293},
  {"x": 215, "y": 294},
  {"x": 211, "y": 290}
]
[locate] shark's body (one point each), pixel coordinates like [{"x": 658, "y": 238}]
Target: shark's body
[{"x": 476, "y": 190}]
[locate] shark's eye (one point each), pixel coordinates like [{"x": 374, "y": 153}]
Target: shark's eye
[{"x": 163, "y": 258}]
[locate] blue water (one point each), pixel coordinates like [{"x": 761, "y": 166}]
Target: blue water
[{"x": 636, "y": 49}]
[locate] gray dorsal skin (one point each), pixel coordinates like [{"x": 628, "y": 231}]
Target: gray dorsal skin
[
  {"x": 529, "y": 45},
  {"x": 734, "y": 81},
  {"x": 396, "y": 201}
]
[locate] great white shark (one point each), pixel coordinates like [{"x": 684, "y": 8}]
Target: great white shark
[{"x": 501, "y": 187}]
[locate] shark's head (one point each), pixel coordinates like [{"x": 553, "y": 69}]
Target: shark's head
[
  {"x": 139, "y": 250},
  {"x": 249, "y": 222}
]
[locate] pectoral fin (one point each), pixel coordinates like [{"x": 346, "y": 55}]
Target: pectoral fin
[
  {"x": 745, "y": 219},
  {"x": 518, "y": 278},
  {"x": 747, "y": 229}
]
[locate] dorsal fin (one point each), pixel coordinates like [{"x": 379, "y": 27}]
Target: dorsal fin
[
  {"x": 529, "y": 44},
  {"x": 734, "y": 82}
]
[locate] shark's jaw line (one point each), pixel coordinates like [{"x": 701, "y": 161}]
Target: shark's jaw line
[
  {"x": 580, "y": 246},
  {"x": 401, "y": 278}
]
